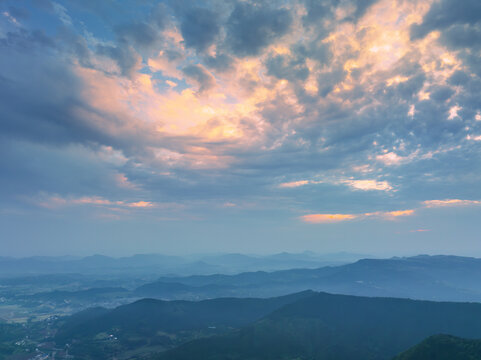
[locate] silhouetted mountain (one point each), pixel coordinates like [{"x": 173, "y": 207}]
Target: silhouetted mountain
[
  {"x": 443, "y": 347},
  {"x": 325, "y": 326},
  {"x": 449, "y": 278}
]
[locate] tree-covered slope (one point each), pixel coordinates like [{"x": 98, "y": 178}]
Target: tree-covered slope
[
  {"x": 328, "y": 326},
  {"x": 147, "y": 317},
  {"x": 443, "y": 347}
]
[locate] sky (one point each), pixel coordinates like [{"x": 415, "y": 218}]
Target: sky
[{"x": 184, "y": 127}]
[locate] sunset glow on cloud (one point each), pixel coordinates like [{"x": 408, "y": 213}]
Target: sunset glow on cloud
[
  {"x": 344, "y": 110},
  {"x": 450, "y": 202},
  {"x": 327, "y": 218}
]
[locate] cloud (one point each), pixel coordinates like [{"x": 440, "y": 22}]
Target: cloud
[
  {"x": 389, "y": 215},
  {"x": 398, "y": 213},
  {"x": 329, "y": 218},
  {"x": 369, "y": 185},
  {"x": 140, "y": 34},
  {"x": 350, "y": 10},
  {"x": 446, "y": 13},
  {"x": 365, "y": 185},
  {"x": 294, "y": 184},
  {"x": 282, "y": 67},
  {"x": 127, "y": 59},
  {"x": 473, "y": 137},
  {"x": 56, "y": 201},
  {"x": 140, "y": 204},
  {"x": 201, "y": 76},
  {"x": 251, "y": 28},
  {"x": 62, "y": 13},
  {"x": 200, "y": 27},
  {"x": 393, "y": 159},
  {"x": 221, "y": 105},
  {"x": 219, "y": 62},
  {"x": 450, "y": 202}
]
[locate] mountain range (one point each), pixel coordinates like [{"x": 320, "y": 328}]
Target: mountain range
[
  {"x": 447, "y": 278},
  {"x": 165, "y": 264}
]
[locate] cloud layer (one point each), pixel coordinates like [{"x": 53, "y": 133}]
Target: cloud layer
[{"x": 342, "y": 110}]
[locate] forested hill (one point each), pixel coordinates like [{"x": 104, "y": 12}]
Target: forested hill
[
  {"x": 145, "y": 318},
  {"x": 443, "y": 347},
  {"x": 326, "y": 326}
]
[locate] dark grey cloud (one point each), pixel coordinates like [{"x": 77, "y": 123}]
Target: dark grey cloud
[
  {"x": 327, "y": 136},
  {"x": 40, "y": 104},
  {"x": 459, "y": 77},
  {"x": 138, "y": 37},
  {"x": 318, "y": 10},
  {"x": 200, "y": 27},
  {"x": 361, "y": 7},
  {"x": 445, "y": 13},
  {"x": 463, "y": 36},
  {"x": 139, "y": 34},
  {"x": 219, "y": 62},
  {"x": 327, "y": 81},
  {"x": 441, "y": 93},
  {"x": 282, "y": 67},
  {"x": 73, "y": 170},
  {"x": 159, "y": 15},
  {"x": 77, "y": 45},
  {"x": 319, "y": 52},
  {"x": 407, "y": 90},
  {"x": 201, "y": 76},
  {"x": 27, "y": 40},
  {"x": 125, "y": 56},
  {"x": 250, "y": 28},
  {"x": 41, "y": 97}
]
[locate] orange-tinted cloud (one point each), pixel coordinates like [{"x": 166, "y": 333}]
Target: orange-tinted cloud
[
  {"x": 369, "y": 185},
  {"x": 55, "y": 201},
  {"x": 399, "y": 213},
  {"x": 140, "y": 204},
  {"x": 326, "y": 218},
  {"x": 450, "y": 202},
  {"x": 294, "y": 184}
]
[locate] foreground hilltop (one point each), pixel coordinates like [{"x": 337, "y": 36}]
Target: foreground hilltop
[
  {"x": 151, "y": 325},
  {"x": 443, "y": 347},
  {"x": 325, "y": 326},
  {"x": 306, "y": 325}
]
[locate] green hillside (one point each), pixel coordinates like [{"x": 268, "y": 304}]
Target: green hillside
[
  {"x": 443, "y": 347},
  {"x": 161, "y": 324},
  {"x": 338, "y": 327}
]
